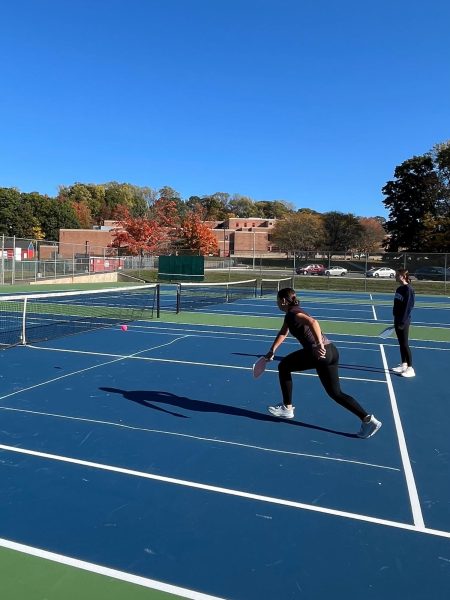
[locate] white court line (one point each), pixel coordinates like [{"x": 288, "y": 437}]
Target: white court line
[
  {"x": 410, "y": 482},
  {"x": 287, "y": 342},
  {"x": 109, "y": 362},
  {"x": 424, "y": 325},
  {"x": 228, "y": 491},
  {"x": 259, "y": 314},
  {"x": 256, "y": 316},
  {"x": 196, "y": 437},
  {"x": 234, "y": 328},
  {"x": 106, "y": 571},
  {"x": 373, "y": 309},
  {"x": 334, "y": 336},
  {"x": 164, "y": 360}
]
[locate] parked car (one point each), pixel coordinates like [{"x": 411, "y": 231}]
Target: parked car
[
  {"x": 432, "y": 273},
  {"x": 381, "y": 272},
  {"x": 339, "y": 271},
  {"x": 311, "y": 270}
]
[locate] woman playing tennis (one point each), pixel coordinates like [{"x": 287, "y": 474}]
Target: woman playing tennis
[{"x": 317, "y": 353}]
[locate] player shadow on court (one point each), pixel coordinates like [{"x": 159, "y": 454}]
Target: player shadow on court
[
  {"x": 152, "y": 399},
  {"x": 368, "y": 368}
]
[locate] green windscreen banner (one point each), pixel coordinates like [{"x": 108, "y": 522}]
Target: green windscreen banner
[{"x": 181, "y": 268}]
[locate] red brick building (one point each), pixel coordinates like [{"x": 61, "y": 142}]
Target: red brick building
[
  {"x": 235, "y": 236},
  {"x": 243, "y": 237},
  {"x": 85, "y": 241}
]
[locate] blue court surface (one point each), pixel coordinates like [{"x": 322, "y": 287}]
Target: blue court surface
[{"x": 149, "y": 456}]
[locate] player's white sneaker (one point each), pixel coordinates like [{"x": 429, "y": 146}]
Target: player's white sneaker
[
  {"x": 369, "y": 428},
  {"x": 401, "y": 368},
  {"x": 282, "y": 411},
  {"x": 408, "y": 372}
]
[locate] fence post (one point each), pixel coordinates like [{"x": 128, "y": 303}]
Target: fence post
[
  {"x": 13, "y": 264},
  {"x": 3, "y": 259},
  {"x": 445, "y": 272},
  {"x": 366, "y": 269}
]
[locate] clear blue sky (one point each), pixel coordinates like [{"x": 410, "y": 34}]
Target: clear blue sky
[{"x": 310, "y": 101}]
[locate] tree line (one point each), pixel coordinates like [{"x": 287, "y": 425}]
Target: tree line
[
  {"x": 418, "y": 201},
  {"x": 417, "y": 198},
  {"x": 308, "y": 230}
]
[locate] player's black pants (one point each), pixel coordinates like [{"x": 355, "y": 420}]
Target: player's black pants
[
  {"x": 328, "y": 371},
  {"x": 402, "y": 333}
]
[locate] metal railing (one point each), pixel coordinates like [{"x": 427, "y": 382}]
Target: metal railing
[{"x": 28, "y": 260}]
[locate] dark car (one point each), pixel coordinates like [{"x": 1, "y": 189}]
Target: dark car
[
  {"x": 432, "y": 273},
  {"x": 311, "y": 270}
]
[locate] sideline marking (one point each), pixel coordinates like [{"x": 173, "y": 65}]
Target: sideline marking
[
  {"x": 230, "y": 492},
  {"x": 252, "y": 336},
  {"x": 106, "y": 571},
  {"x": 109, "y": 362},
  {"x": 196, "y": 437},
  {"x": 409, "y": 475},
  {"x": 162, "y": 360}
]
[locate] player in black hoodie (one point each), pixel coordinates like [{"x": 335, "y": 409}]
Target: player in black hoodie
[{"x": 403, "y": 305}]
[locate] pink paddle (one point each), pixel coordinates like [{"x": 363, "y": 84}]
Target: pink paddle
[{"x": 259, "y": 367}]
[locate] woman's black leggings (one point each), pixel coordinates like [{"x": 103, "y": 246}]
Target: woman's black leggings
[
  {"x": 402, "y": 332},
  {"x": 328, "y": 371}
]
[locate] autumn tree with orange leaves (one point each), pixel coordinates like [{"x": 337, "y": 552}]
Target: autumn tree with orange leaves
[
  {"x": 146, "y": 235},
  {"x": 373, "y": 234},
  {"x": 162, "y": 230},
  {"x": 193, "y": 234}
]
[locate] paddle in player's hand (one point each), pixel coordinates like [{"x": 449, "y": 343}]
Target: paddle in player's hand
[
  {"x": 259, "y": 367},
  {"x": 386, "y": 332}
]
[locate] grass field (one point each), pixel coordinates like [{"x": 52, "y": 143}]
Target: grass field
[{"x": 349, "y": 284}]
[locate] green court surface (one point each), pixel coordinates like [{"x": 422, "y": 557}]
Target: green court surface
[
  {"x": 25, "y": 577},
  {"x": 436, "y": 334}
]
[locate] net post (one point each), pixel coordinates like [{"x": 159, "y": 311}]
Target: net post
[
  {"x": 24, "y": 320},
  {"x": 157, "y": 300},
  {"x": 178, "y": 298}
]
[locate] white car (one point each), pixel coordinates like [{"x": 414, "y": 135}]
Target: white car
[
  {"x": 381, "y": 272},
  {"x": 339, "y": 271}
]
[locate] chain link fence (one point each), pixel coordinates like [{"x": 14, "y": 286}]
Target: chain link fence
[{"x": 28, "y": 260}]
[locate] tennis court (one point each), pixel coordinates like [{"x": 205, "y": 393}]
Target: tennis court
[{"x": 143, "y": 463}]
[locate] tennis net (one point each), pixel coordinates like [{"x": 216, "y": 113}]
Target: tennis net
[
  {"x": 191, "y": 296},
  {"x": 29, "y": 318},
  {"x": 268, "y": 286}
]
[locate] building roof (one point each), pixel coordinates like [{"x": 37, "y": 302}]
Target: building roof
[{"x": 18, "y": 243}]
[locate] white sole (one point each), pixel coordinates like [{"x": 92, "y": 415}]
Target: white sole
[{"x": 274, "y": 414}]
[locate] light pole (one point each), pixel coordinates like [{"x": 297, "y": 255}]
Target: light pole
[
  {"x": 254, "y": 234},
  {"x": 225, "y": 238}
]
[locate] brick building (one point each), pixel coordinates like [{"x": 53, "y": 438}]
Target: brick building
[
  {"x": 85, "y": 241},
  {"x": 235, "y": 236},
  {"x": 243, "y": 237}
]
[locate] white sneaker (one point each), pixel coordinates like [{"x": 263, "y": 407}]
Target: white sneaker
[
  {"x": 401, "y": 368},
  {"x": 408, "y": 372},
  {"x": 369, "y": 428},
  {"x": 282, "y": 411}
]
